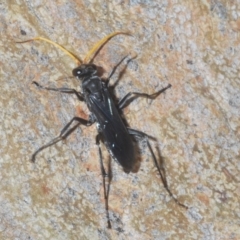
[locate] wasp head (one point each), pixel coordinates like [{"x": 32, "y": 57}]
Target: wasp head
[{"x": 84, "y": 70}]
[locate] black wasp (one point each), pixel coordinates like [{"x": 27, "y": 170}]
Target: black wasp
[{"x": 117, "y": 137}]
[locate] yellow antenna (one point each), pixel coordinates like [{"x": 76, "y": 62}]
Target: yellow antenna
[
  {"x": 77, "y": 60},
  {"x": 92, "y": 51},
  {"x": 100, "y": 43}
]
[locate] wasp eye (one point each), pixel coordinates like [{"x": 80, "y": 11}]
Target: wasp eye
[{"x": 77, "y": 72}]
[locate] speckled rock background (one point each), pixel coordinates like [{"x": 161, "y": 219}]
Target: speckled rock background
[{"x": 194, "y": 45}]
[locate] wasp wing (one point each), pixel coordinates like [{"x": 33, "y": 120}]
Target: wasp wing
[{"x": 113, "y": 130}]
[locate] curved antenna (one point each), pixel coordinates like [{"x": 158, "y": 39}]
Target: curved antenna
[
  {"x": 76, "y": 59},
  {"x": 100, "y": 44}
]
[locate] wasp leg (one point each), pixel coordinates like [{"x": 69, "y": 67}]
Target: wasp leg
[
  {"x": 62, "y": 90},
  {"x": 115, "y": 68},
  {"x": 63, "y": 134},
  {"x": 104, "y": 175},
  {"x": 158, "y": 165},
  {"x": 126, "y": 100},
  {"x": 122, "y": 71}
]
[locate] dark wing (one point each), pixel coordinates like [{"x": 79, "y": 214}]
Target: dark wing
[{"x": 115, "y": 133}]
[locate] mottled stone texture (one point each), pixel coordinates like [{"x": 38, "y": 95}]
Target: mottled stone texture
[{"x": 194, "y": 45}]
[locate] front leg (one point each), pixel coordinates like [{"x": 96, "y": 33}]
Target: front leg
[
  {"x": 62, "y": 90},
  {"x": 114, "y": 69}
]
